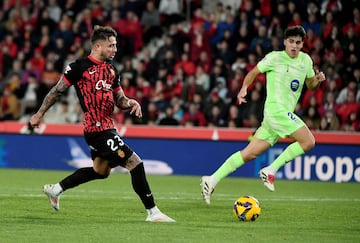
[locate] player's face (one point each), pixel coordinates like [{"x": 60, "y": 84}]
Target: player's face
[
  {"x": 293, "y": 45},
  {"x": 108, "y": 49}
]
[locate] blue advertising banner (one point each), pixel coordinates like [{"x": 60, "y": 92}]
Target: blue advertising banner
[{"x": 326, "y": 162}]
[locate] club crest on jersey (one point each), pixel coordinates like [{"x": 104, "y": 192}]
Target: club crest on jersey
[
  {"x": 121, "y": 153},
  {"x": 101, "y": 84},
  {"x": 294, "y": 85}
]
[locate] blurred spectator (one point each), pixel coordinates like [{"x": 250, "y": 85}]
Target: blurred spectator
[
  {"x": 275, "y": 28},
  {"x": 150, "y": 117},
  {"x": 158, "y": 96},
  {"x": 5, "y": 61},
  {"x": 129, "y": 90},
  {"x": 224, "y": 52},
  {"x": 227, "y": 25},
  {"x": 327, "y": 25},
  {"x": 193, "y": 117},
  {"x": 296, "y": 19},
  {"x": 190, "y": 88},
  {"x": 213, "y": 100},
  {"x": 352, "y": 124},
  {"x": 11, "y": 45},
  {"x": 202, "y": 78},
  {"x": 167, "y": 118},
  {"x": 204, "y": 60},
  {"x": 219, "y": 12},
  {"x": 330, "y": 121},
  {"x": 9, "y": 105},
  {"x": 169, "y": 45},
  {"x": 144, "y": 86},
  {"x": 348, "y": 107},
  {"x": 215, "y": 119},
  {"x": 38, "y": 61},
  {"x": 334, "y": 6},
  {"x": 280, "y": 10},
  {"x": 128, "y": 71},
  {"x": 331, "y": 74},
  {"x": 132, "y": 29},
  {"x": 54, "y": 10},
  {"x": 150, "y": 22},
  {"x": 329, "y": 104},
  {"x": 64, "y": 32},
  {"x": 309, "y": 41},
  {"x": 178, "y": 36},
  {"x": 50, "y": 76},
  {"x": 185, "y": 63},
  {"x": 169, "y": 62},
  {"x": 60, "y": 113},
  {"x": 199, "y": 43},
  {"x": 343, "y": 96},
  {"x": 233, "y": 118},
  {"x": 170, "y": 12},
  {"x": 178, "y": 111},
  {"x": 221, "y": 89},
  {"x": 28, "y": 71},
  {"x": 311, "y": 116},
  {"x": 312, "y": 23},
  {"x": 252, "y": 112},
  {"x": 217, "y": 72},
  {"x": 30, "y": 102},
  {"x": 262, "y": 39}
]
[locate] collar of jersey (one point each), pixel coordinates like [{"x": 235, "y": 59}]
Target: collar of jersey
[{"x": 94, "y": 60}]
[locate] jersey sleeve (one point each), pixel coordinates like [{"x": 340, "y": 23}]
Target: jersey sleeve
[
  {"x": 73, "y": 72},
  {"x": 310, "y": 73},
  {"x": 116, "y": 85},
  {"x": 267, "y": 63}
]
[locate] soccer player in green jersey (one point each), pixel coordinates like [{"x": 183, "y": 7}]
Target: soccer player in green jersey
[{"x": 286, "y": 72}]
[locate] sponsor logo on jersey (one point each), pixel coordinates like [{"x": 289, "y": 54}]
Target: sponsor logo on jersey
[
  {"x": 294, "y": 85},
  {"x": 102, "y": 85}
]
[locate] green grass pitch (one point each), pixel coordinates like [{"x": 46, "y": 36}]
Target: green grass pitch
[{"x": 109, "y": 211}]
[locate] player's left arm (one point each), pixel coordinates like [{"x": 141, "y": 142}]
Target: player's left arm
[
  {"x": 315, "y": 81},
  {"x": 126, "y": 103}
]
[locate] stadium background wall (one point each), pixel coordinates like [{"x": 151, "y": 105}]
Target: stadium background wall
[{"x": 183, "y": 151}]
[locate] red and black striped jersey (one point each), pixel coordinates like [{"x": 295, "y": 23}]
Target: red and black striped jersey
[{"x": 95, "y": 83}]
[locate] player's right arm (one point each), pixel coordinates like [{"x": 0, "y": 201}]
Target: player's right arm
[
  {"x": 54, "y": 94},
  {"x": 249, "y": 79}
]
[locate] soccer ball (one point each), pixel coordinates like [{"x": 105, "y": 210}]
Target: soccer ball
[{"x": 246, "y": 208}]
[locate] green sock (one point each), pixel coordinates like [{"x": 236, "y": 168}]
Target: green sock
[
  {"x": 290, "y": 153},
  {"x": 230, "y": 165}
]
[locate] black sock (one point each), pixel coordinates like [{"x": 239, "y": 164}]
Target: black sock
[
  {"x": 141, "y": 186},
  {"x": 80, "y": 176}
]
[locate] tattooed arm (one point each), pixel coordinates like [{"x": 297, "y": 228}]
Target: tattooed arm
[
  {"x": 125, "y": 103},
  {"x": 50, "y": 99}
]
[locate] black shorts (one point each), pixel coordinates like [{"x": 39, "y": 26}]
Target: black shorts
[{"x": 108, "y": 145}]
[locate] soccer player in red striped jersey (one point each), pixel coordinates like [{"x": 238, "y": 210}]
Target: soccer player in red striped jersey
[{"x": 97, "y": 85}]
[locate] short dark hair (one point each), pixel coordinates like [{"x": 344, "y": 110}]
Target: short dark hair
[
  {"x": 102, "y": 33},
  {"x": 297, "y": 30}
]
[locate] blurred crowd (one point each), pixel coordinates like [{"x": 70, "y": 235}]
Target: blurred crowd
[{"x": 184, "y": 61}]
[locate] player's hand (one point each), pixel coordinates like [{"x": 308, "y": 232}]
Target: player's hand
[
  {"x": 319, "y": 76},
  {"x": 35, "y": 120},
  {"x": 241, "y": 96},
  {"x": 135, "y": 108}
]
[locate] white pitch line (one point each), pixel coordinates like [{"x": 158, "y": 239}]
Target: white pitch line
[{"x": 162, "y": 196}]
